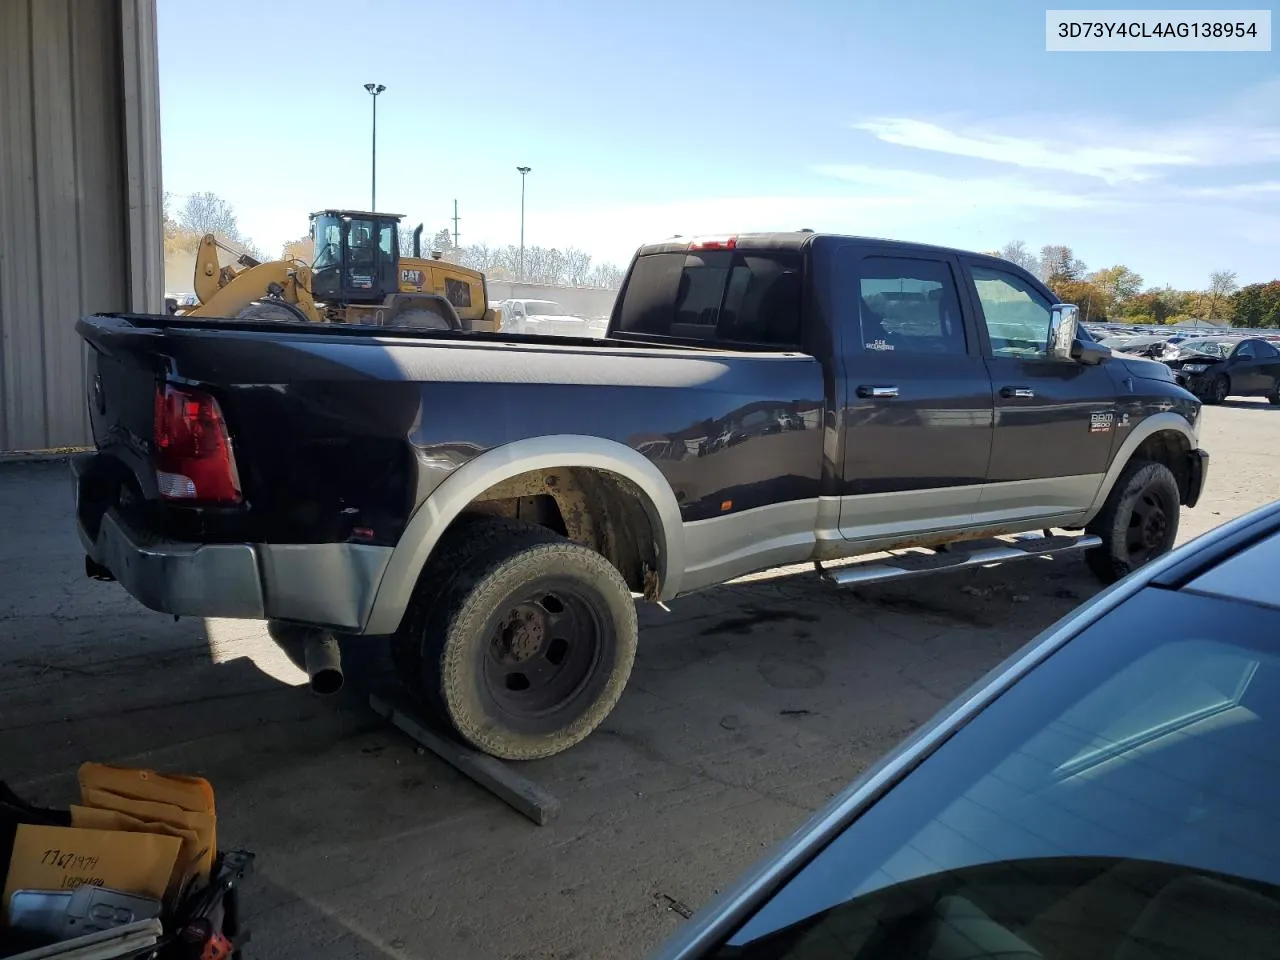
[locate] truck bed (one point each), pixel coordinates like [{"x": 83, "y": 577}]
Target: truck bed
[{"x": 338, "y": 426}]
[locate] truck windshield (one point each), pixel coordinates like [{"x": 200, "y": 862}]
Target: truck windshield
[
  {"x": 720, "y": 296},
  {"x": 328, "y": 242},
  {"x": 543, "y": 308}
]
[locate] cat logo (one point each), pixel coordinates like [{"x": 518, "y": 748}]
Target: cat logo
[
  {"x": 1101, "y": 422},
  {"x": 411, "y": 278}
]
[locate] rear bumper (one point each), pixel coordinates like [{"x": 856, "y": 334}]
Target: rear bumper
[
  {"x": 185, "y": 579},
  {"x": 325, "y": 584},
  {"x": 1197, "y": 470}
]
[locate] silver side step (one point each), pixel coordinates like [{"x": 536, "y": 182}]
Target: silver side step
[{"x": 959, "y": 556}]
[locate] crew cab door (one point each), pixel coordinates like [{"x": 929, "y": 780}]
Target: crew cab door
[
  {"x": 1056, "y": 421},
  {"x": 917, "y": 407}
]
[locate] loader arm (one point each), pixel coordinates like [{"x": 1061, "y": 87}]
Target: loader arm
[
  {"x": 256, "y": 283},
  {"x": 209, "y": 277}
]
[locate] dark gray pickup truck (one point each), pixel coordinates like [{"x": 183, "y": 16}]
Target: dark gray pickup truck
[{"x": 495, "y": 502}]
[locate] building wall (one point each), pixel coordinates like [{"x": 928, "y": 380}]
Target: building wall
[{"x": 80, "y": 199}]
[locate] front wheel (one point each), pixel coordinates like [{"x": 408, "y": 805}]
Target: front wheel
[
  {"x": 1138, "y": 522},
  {"x": 528, "y": 645},
  {"x": 1219, "y": 390}
]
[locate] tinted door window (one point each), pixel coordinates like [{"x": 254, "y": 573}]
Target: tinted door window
[
  {"x": 1118, "y": 801},
  {"x": 718, "y": 296},
  {"x": 1265, "y": 350},
  {"x": 1015, "y": 312},
  {"x": 910, "y": 305},
  {"x": 1244, "y": 352}
]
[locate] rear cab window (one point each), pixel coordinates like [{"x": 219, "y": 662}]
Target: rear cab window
[{"x": 739, "y": 298}]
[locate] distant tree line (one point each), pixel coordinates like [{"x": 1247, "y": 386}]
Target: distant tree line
[
  {"x": 1118, "y": 294},
  {"x": 569, "y": 267}
]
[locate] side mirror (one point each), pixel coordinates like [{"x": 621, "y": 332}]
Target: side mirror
[{"x": 1064, "y": 318}]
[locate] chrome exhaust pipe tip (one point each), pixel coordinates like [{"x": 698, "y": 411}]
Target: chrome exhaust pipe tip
[{"x": 323, "y": 661}]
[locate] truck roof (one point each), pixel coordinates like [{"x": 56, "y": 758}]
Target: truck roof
[
  {"x": 357, "y": 213},
  {"x": 791, "y": 240}
]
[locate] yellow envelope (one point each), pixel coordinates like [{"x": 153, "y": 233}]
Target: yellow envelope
[
  {"x": 202, "y": 824},
  {"x": 63, "y": 858},
  {"x": 190, "y": 793},
  {"x": 187, "y": 864}
]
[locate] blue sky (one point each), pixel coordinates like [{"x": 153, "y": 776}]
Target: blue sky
[{"x": 939, "y": 122}]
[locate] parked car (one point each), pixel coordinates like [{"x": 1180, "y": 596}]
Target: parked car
[
  {"x": 1215, "y": 368},
  {"x": 1108, "y": 791},
  {"x": 482, "y": 498},
  {"x": 544, "y": 318}
]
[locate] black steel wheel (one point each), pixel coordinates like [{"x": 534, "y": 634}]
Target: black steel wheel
[
  {"x": 1219, "y": 389},
  {"x": 525, "y": 644},
  {"x": 543, "y": 651},
  {"x": 1137, "y": 523}
]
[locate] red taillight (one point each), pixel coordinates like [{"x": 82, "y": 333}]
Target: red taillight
[
  {"x": 193, "y": 458},
  {"x": 714, "y": 243}
]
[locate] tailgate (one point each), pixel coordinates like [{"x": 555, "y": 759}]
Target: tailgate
[
  {"x": 122, "y": 374},
  {"x": 318, "y": 430}
]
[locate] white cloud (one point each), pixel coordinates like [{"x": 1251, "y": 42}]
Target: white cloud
[
  {"x": 912, "y": 188},
  {"x": 1264, "y": 189},
  {"x": 1246, "y": 131},
  {"x": 1070, "y": 154}
]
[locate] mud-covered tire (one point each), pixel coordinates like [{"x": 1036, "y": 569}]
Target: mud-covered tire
[
  {"x": 280, "y": 310},
  {"x": 462, "y": 543},
  {"x": 420, "y": 320},
  {"x": 1138, "y": 522},
  {"x": 526, "y": 646}
]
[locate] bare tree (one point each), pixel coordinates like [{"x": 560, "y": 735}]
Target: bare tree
[
  {"x": 607, "y": 275},
  {"x": 1222, "y": 284},
  {"x": 1058, "y": 262},
  {"x": 406, "y": 241},
  {"x": 208, "y": 213},
  {"x": 1016, "y": 252},
  {"x": 442, "y": 241},
  {"x": 577, "y": 265}
]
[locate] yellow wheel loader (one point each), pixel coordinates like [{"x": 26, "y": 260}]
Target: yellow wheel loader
[{"x": 356, "y": 276}]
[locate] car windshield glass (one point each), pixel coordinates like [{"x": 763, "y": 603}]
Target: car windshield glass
[
  {"x": 1123, "y": 789},
  {"x": 1210, "y": 348}
]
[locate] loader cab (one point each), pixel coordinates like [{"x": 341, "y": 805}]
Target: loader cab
[{"x": 357, "y": 256}]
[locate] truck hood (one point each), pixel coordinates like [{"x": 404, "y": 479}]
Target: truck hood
[{"x": 1145, "y": 369}]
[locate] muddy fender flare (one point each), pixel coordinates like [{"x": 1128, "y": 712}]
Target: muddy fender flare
[
  {"x": 443, "y": 505},
  {"x": 1156, "y": 423}
]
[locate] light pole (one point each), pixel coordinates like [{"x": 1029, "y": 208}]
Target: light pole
[
  {"x": 524, "y": 172},
  {"x": 374, "y": 89}
]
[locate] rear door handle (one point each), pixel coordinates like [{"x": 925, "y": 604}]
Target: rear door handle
[
  {"x": 1019, "y": 393},
  {"x": 878, "y": 393}
]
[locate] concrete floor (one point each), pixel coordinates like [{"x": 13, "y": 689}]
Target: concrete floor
[{"x": 749, "y": 706}]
